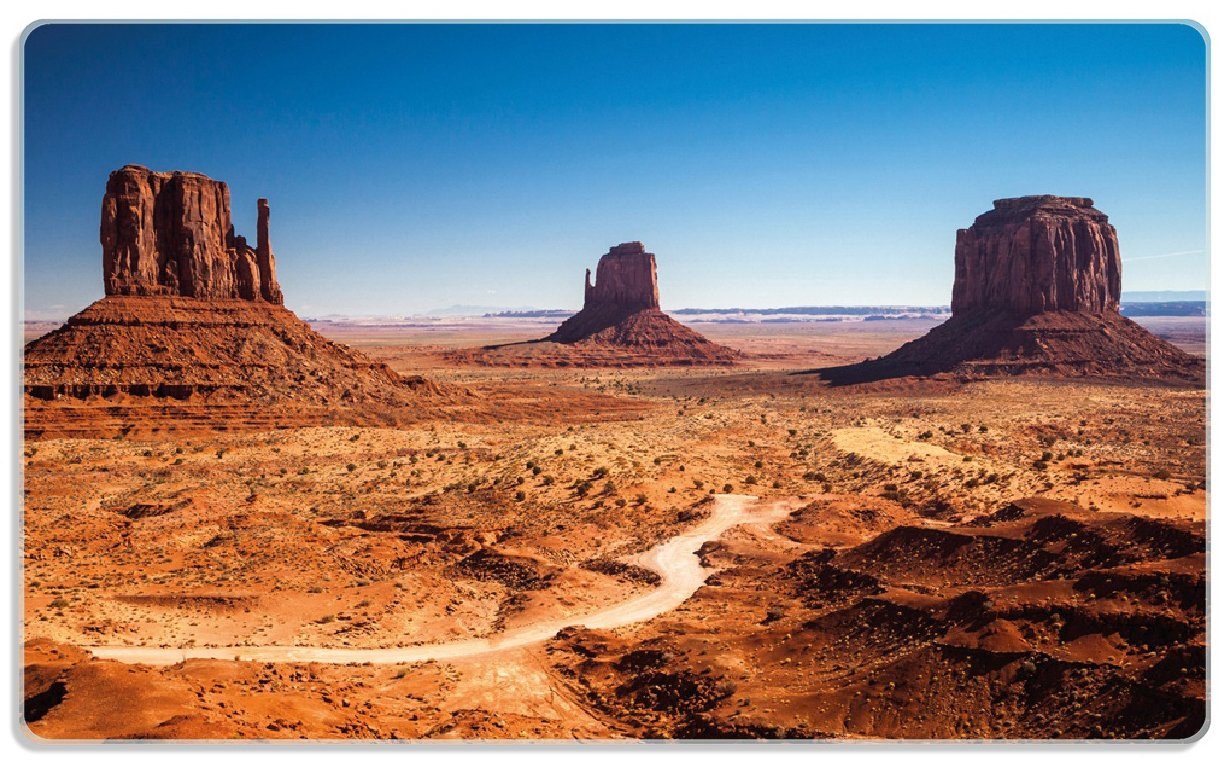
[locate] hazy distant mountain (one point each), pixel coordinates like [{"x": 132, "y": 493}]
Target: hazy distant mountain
[
  {"x": 1181, "y": 308},
  {"x": 817, "y": 310},
  {"x": 469, "y": 310},
  {"x": 1164, "y": 296}
]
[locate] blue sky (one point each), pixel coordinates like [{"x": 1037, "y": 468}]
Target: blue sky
[{"x": 412, "y": 167}]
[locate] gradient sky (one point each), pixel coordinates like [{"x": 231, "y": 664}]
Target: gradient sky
[{"x": 412, "y": 167}]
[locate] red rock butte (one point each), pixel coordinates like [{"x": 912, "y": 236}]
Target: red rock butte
[
  {"x": 170, "y": 234},
  {"x": 622, "y": 313},
  {"x": 192, "y": 332},
  {"x": 1038, "y": 254},
  {"x": 1036, "y": 290}
]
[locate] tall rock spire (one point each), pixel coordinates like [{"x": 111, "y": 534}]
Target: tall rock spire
[{"x": 270, "y": 291}]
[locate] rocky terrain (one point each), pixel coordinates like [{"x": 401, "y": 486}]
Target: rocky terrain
[
  {"x": 1075, "y": 507},
  {"x": 621, "y": 324},
  {"x": 1036, "y": 291}
]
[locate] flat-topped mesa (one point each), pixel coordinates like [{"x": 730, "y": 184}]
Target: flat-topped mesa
[
  {"x": 1036, "y": 291},
  {"x": 1037, "y": 254},
  {"x": 627, "y": 279},
  {"x": 170, "y": 234}
]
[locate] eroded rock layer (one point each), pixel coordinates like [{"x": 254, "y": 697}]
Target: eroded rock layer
[
  {"x": 150, "y": 364},
  {"x": 219, "y": 350},
  {"x": 1036, "y": 291}
]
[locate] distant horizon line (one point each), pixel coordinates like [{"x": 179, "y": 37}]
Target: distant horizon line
[{"x": 479, "y": 311}]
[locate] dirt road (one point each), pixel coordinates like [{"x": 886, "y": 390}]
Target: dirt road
[{"x": 675, "y": 561}]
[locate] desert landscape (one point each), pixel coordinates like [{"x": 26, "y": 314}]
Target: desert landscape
[{"x": 625, "y": 524}]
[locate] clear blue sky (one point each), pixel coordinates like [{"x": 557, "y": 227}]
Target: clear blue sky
[{"x": 412, "y": 167}]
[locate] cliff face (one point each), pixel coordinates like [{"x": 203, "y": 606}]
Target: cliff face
[
  {"x": 1038, "y": 254},
  {"x": 170, "y": 234},
  {"x": 627, "y": 279}
]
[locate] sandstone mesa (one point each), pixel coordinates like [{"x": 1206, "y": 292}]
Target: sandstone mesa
[{"x": 1036, "y": 290}]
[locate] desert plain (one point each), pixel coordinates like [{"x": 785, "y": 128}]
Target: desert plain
[{"x": 608, "y": 553}]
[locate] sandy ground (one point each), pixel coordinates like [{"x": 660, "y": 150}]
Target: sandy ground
[
  {"x": 675, "y": 561},
  {"x": 1017, "y": 558}
]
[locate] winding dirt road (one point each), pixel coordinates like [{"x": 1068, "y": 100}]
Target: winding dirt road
[{"x": 675, "y": 561}]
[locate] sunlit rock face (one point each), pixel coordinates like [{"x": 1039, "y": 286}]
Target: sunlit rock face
[
  {"x": 170, "y": 234},
  {"x": 1037, "y": 254}
]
